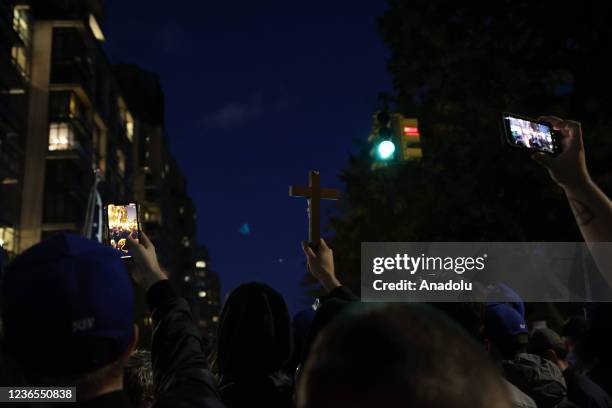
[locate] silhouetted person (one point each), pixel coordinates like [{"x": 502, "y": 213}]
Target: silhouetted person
[
  {"x": 593, "y": 214},
  {"x": 67, "y": 309},
  {"x": 253, "y": 344},
  {"x": 580, "y": 390},
  {"x": 398, "y": 356},
  {"x": 507, "y": 338}
]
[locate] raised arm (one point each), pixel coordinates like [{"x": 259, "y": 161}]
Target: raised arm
[
  {"x": 181, "y": 374},
  {"x": 592, "y": 208}
]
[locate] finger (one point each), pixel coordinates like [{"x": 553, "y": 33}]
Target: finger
[
  {"x": 145, "y": 241},
  {"x": 555, "y": 121},
  {"x": 542, "y": 159},
  {"x": 131, "y": 242},
  {"x": 323, "y": 244},
  {"x": 572, "y": 127},
  {"x": 307, "y": 250}
]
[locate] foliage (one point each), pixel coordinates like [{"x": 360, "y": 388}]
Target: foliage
[{"x": 457, "y": 66}]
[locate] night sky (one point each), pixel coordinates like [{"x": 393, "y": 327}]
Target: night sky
[{"x": 257, "y": 93}]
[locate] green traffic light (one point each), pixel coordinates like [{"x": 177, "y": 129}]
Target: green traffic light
[{"x": 385, "y": 149}]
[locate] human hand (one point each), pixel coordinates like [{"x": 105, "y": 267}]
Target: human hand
[
  {"x": 321, "y": 265},
  {"x": 145, "y": 271},
  {"x": 568, "y": 169}
]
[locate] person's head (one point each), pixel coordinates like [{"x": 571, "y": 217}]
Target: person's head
[
  {"x": 397, "y": 356},
  {"x": 254, "y": 335},
  {"x": 574, "y": 333},
  {"x": 138, "y": 379},
  {"x": 547, "y": 344},
  {"x": 468, "y": 315},
  {"x": 67, "y": 311},
  {"x": 505, "y": 330}
]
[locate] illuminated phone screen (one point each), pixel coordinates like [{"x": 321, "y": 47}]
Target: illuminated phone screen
[
  {"x": 531, "y": 135},
  {"x": 122, "y": 223}
]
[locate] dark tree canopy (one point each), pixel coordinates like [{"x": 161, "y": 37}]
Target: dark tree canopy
[{"x": 456, "y": 67}]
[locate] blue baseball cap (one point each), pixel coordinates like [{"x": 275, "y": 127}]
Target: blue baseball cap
[
  {"x": 503, "y": 322},
  {"x": 67, "y": 306},
  {"x": 502, "y": 293}
]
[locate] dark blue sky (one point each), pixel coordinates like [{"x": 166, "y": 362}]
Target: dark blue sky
[{"x": 257, "y": 93}]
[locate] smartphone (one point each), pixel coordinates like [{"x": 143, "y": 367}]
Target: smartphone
[
  {"x": 122, "y": 222},
  {"x": 530, "y": 134}
]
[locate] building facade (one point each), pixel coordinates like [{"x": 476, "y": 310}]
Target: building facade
[
  {"x": 66, "y": 112},
  {"x": 202, "y": 289}
]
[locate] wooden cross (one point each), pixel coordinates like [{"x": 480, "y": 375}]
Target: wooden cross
[{"x": 314, "y": 193}]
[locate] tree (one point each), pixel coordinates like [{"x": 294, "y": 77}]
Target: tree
[{"x": 457, "y": 67}]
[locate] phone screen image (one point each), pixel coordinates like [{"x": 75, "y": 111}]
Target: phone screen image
[
  {"x": 122, "y": 223},
  {"x": 529, "y": 134}
]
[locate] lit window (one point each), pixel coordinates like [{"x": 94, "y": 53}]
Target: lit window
[
  {"x": 61, "y": 137},
  {"x": 95, "y": 28},
  {"x": 215, "y": 319},
  {"x": 181, "y": 211},
  {"x": 148, "y": 321},
  {"x": 148, "y": 139},
  {"x": 187, "y": 278},
  {"x": 121, "y": 162},
  {"x": 20, "y": 59},
  {"x": 21, "y": 22},
  {"x": 202, "y": 294},
  {"x": 147, "y": 154},
  {"x": 167, "y": 168},
  {"x": 7, "y": 239},
  {"x": 75, "y": 106},
  {"x": 201, "y": 264},
  {"x": 147, "y": 216},
  {"x": 185, "y": 242},
  {"x": 127, "y": 120},
  {"x": 129, "y": 127}
]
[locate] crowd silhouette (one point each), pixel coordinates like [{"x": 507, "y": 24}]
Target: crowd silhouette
[{"x": 68, "y": 321}]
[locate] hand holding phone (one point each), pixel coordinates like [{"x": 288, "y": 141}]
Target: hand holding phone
[
  {"x": 569, "y": 168},
  {"x": 533, "y": 135},
  {"x": 122, "y": 224}
]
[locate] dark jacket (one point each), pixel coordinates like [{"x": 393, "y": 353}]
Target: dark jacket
[
  {"x": 539, "y": 378},
  {"x": 181, "y": 373},
  {"x": 338, "y": 302},
  {"x": 253, "y": 343},
  {"x": 584, "y": 392},
  {"x": 182, "y": 377}
]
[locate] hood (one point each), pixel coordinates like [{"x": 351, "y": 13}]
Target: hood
[
  {"x": 539, "y": 378},
  {"x": 254, "y": 337}
]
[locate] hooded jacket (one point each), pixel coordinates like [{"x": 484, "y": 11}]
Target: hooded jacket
[
  {"x": 254, "y": 342},
  {"x": 537, "y": 377}
]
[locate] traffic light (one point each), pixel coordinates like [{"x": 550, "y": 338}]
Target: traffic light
[
  {"x": 410, "y": 137},
  {"x": 394, "y": 138},
  {"x": 385, "y": 149}
]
